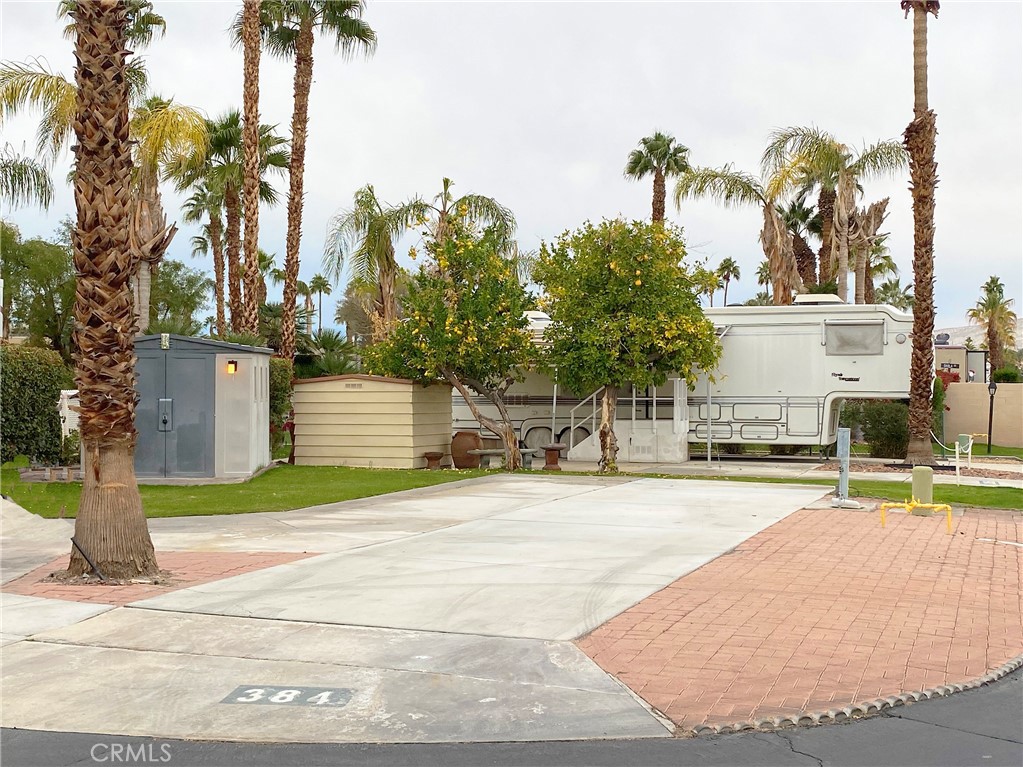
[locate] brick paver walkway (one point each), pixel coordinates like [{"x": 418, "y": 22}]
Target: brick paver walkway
[
  {"x": 186, "y": 568},
  {"x": 824, "y": 610}
]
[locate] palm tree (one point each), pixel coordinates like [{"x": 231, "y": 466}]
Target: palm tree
[
  {"x": 893, "y": 293},
  {"x": 879, "y": 265},
  {"x": 219, "y": 166},
  {"x": 289, "y": 29},
  {"x": 306, "y": 293},
  {"x": 919, "y": 140},
  {"x": 363, "y": 237},
  {"x": 162, "y": 129},
  {"x": 445, "y": 208},
  {"x": 732, "y": 187},
  {"x": 994, "y": 312},
  {"x": 793, "y": 154},
  {"x": 728, "y": 270},
  {"x": 110, "y": 526},
  {"x": 207, "y": 203},
  {"x": 863, "y": 236},
  {"x": 764, "y": 273},
  {"x": 320, "y": 285},
  {"x": 801, "y": 221},
  {"x": 658, "y": 155},
  {"x": 251, "y": 172},
  {"x": 23, "y": 180}
]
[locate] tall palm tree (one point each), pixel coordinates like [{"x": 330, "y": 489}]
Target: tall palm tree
[
  {"x": 220, "y": 166},
  {"x": 658, "y": 156},
  {"x": 919, "y": 140},
  {"x": 207, "y": 204},
  {"x": 110, "y": 526},
  {"x": 363, "y": 237},
  {"x": 23, "y": 180},
  {"x": 251, "y": 175},
  {"x": 320, "y": 285},
  {"x": 728, "y": 270},
  {"x": 792, "y": 154},
  {"x": 800, "y": 220},
  {"x": 994, "y": 313},
  {"x": 289, "y": 30},
  {"x": 732, "y": 187}
]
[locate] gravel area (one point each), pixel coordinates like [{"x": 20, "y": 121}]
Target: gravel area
[{"x": 886, "y": 468}]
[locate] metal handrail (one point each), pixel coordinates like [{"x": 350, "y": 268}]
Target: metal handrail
[{"x": 632, "y": 399}]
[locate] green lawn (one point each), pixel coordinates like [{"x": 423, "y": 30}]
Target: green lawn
[
  {"x": 279, "y": 489},
  {"x": 295, "y": 487}
]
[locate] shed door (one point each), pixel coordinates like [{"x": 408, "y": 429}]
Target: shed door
[{"x": 174, "y": 417}]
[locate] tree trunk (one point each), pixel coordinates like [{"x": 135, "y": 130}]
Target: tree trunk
[
  {"x": 504, "y": 428},
  {"x": 869, "y": 294},
  {"x": 845, "y": 203},
  {"x": 319, "y": 313},
  {"x": 919, "y": 140},
  {"x": 994, "y": 346},
  {"x": 217, "y": 245},
  {"x": 250, "y": 168},
  {"x": 387, "y": 311},
  {"x": 806, "y": 261},
  {"x": 149, "y": 238},
  {"x": 608, "y": 441},
  {"x": 826, "y": 207},
  {"x": 232, "y": 208},
  {"x": 299, "y": 129},
  {"x": 861, "y": 274},
  {"x": 724, "y": 300},
  {"x": 110, "y": 523},
  {"x": 658, "y": 204}
]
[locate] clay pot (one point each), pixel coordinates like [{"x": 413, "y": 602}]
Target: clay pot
[{"x": 461, "y": 444}]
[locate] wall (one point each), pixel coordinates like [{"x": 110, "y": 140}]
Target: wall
[
  {"x": 243, "y": 415},
  {"x": 968, "y": 412},
  {"x": 359, "y": 420}
]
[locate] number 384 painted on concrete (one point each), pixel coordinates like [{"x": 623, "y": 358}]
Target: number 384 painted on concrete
[{"x": 268, "y": 695}]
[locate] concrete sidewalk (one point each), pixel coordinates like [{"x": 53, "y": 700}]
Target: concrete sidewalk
[{"x": 466, "y": 612}]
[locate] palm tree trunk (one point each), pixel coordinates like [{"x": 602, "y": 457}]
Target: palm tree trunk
[
  {"x": 217, "y": 245},
  {"x": 299, "y": 129},
  {"x": 232, "y": 208},
  {"x": 994, "y": 346},
  {"x": 861, "y": 274},
  {"x": 658, "y": 204},
  {"x": 826, "y": 207},
  {"x": 806, "y": 261},
  {"x": 724, "y": 301},
  {"x": 250, "y": 168},
  {"x": 869, "y": 294},
  {"x": 110, "y": 524},
  {"x": 919, "y": 140},
  {"x": 845, "y": 202},
  {"x": 149, "y": 237},
  {"x": 388, "y": 310},
  {"x": 608, "y": 463}
]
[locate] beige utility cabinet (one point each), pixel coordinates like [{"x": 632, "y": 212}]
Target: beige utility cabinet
[{"x": 361, "y": 420}]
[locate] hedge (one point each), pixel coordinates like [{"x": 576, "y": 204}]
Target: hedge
[
  {"x": 886, "y": 428},
  {"x": 30, "y": 382}
]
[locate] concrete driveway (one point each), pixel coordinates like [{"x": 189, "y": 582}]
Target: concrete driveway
[{"x": 437, "y": 615}]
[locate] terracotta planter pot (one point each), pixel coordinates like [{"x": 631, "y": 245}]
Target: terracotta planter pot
[{"x": 461, "y": 444}]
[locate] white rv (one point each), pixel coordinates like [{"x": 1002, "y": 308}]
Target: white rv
[{"x": 783, "y": 374}]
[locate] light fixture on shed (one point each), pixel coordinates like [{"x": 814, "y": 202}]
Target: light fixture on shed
[{"x": 232, "y": 367}]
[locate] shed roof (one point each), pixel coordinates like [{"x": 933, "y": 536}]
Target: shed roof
[
  {"x": 199, "y": 344},
  {"x": 358, "y": 377}
]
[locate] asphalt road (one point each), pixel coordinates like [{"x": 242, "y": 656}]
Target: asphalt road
[{"x": 979, "y": 728}]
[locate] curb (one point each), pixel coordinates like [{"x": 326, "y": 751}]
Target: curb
[{"x": 857, "y": 711}]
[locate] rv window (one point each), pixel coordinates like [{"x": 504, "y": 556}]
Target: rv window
[{"x": 854, "y": 339}]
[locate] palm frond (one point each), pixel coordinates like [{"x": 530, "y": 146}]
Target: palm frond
[
  {"x": 24, "y": 181},
  {"x": 165, "y": 130},
  {"x": 341, "y": 19},
  {"x": 32, "y": 86},
  {"x": 884, "y": 158},
  {"x": 724, "y": 185}
]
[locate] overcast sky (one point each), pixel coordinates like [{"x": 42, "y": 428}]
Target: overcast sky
[{"x": 539, "y": 103}]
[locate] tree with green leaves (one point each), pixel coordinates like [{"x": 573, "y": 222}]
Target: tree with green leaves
[
  {"x": 289, "y": 30},
  {"x": 659, "y": 156},
  {"x": 802, "y": 221},
  {"x": 728, "y": 270},
  {"x": 442, "y": 213},
  {"x": 732, "y": 187},
  {"x": 993, "y": 312},
  {"x": 465, "y": 325},
  {"x": 894, "y": 293},
  {"x": 180, "y": 294},
  {"x": 320, "y": 285},
  {"x": 205, "y": 206},
  {"x": 793, "y": 154},
  {"x": 624, "y": 310}
]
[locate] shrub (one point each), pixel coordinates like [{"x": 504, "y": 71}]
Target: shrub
[
  {"x": 938, "y": 407},
  {"x": 886, "y": 428},
  {"x": 30, "y": 386},
  {"x": 281, "y": 374},
  {"x": 947, "y": 377},
  {"x": 1007, "y": 374}
]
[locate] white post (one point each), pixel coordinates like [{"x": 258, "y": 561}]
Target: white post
[
  {"x": 957, "y": 461},
  {"x": 554, "y": 410},
  {"x": 710, "y": 440}
]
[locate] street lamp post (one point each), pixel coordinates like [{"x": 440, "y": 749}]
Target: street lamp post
[{"x": 991, "y": 389}]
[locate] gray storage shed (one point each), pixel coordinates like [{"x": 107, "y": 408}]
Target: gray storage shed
[{"x": 204, "y": 407}]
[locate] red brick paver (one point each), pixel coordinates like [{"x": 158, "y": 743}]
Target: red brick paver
[
  {"x": 186, "y": 568},
  {"x": 824, "y": 610}
]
